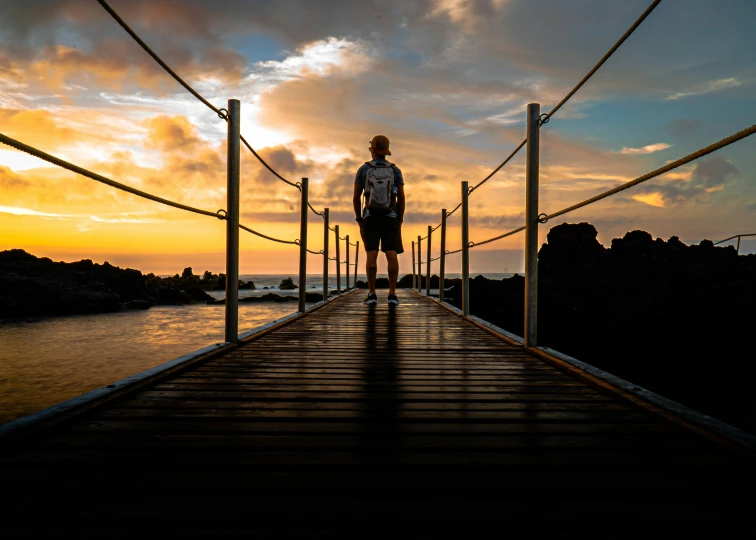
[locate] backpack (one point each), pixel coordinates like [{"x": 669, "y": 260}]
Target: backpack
[{"x": 379, "y": 187}]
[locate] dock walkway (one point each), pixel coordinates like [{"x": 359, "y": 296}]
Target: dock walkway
[{"x": 374, "y": 415}]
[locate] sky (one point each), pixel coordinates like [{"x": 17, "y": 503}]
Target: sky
[{"x": 448, "y": 81}]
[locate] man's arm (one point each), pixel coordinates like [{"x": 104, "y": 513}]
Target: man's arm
[
  {"x": 357, "y": 200},
  {"x": 400, "y": 203}
]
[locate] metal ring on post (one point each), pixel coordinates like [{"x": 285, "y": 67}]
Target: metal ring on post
[
  {"x": 543, "y": 218},
  {"x": 543, "y": 119},
  {"x": 223, "y": 114},
  {"x": 222, "y": 216}
]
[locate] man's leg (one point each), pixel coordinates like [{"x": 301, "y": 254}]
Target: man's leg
[
  {"x": 393, "y": 270},
  {"x": 371, "y": 269}
]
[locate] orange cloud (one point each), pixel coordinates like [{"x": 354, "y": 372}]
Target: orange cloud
[{"x": 171, "y": 133}]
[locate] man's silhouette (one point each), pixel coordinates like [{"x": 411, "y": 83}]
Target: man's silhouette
[{"x": 381, "y": 216}]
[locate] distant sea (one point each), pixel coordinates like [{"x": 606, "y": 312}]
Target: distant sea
[{"x": 46, "y": 360}]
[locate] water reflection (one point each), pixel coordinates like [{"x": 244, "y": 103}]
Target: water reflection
[
  {"x": 381, "y": 438},
  {"x": 44, "y": 361}
]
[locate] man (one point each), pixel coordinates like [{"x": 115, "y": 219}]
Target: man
[{"x": 382, "y": 215}]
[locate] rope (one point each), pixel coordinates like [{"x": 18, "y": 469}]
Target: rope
[
  {"x": 453, "y": 252},
  {"x": 321, "y": 214},
  {"x": 331, "y": 258},
  {"x": 545, "y": 118},
  {"x": 448, "y": 214},
  {"x": 434, "y": 260},
  {"x": 733, "y": 237},
  {"x": 510, "y": 233},
  {"x": 261, "y": 235},
  {"x": 84, "y": 172},
  {"x": 315, "y": 252},
  {"x": 682, "y": 161},
  {"x": 261, "y": 160},
  {"x": 434, "y": 229},
  {"x": 499, "y": 167},
  {"x": 222, "y": 113}
]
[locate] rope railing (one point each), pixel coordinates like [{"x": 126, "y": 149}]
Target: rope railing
[
  {"x": 261, "y": 235},
  {"x": 315, "y": 252},
  {"x": 546, "y": 117},
  {"x": 543, "y": 218},
  {"x": 220, "y": 214},
  {"x": 261, "y": 160},
  {"x": 734, "y": 237},
  {"x": 738, "y": 236},
  {"x": 222, "y": 113},
  {"x": 321, "y": 214},
  {"x": 510, "y": 233}
]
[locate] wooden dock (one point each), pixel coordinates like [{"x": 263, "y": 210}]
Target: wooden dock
[{"x": 373, "y": 418}]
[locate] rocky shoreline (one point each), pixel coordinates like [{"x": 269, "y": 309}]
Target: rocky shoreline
[{"x": 37, "y": 286}]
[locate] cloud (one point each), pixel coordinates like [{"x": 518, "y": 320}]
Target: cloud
[
  {"x": 168, "y": 133},
  {"x": 653, "y": 198},
  {"x": 683, "y": 127},
  {"x": 11, "y": 181},
  {"x": 17, "y": 211},
  {"x": 48, "y": 131},
  {"x": 711, "y": 175},
  {"x": 708, "y": 87},
  {"x": 648, "y": 149},
  {"x": 331, "y": 56}
]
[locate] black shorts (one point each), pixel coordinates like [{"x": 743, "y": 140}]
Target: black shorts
[{"x": 382, "y": 231}]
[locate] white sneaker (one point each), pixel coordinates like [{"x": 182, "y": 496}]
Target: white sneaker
[
  {"x": 393, "y": 300},
  {"x": 372, "y": 299}
]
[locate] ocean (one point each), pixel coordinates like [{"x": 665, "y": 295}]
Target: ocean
[{"x": 46, "y": 360}]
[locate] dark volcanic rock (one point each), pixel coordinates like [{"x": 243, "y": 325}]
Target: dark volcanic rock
[
  {"x": 667, "y": 316},
  {"x": 32, "y": 286},
  {"x": 287, "y": 284},
  {"x": 137, "y": 304}
]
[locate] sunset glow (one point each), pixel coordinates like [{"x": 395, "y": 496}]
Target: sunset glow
[{"x": 448, "y": 82}]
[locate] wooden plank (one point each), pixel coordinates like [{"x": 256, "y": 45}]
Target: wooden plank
[
  {"x": 398, "y": 397},
  {"x": 370, "y": 412}
]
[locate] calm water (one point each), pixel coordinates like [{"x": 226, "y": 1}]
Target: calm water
[{"x": 44, "y": 361}]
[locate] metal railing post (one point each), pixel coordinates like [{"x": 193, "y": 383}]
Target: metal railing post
[
  {"x": 737, "y": 249},
  {"x": 419, "y": 264},
  {"x": 465, "y": 251},
  {"x": 531, "y": 227},
  {"x": 428, "y": 261},
  {"x": 326, "y": 262},
  {"x": 356, "y": 261},
  {"x": 303, "y": 246},
  {"x": 414, "y": 274},
  {"x": 232, "y": 222},
  {"x": 338, "y": 260},
  {"x": 347, "y": 263},
  {"x": 442, "y": 257}
]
